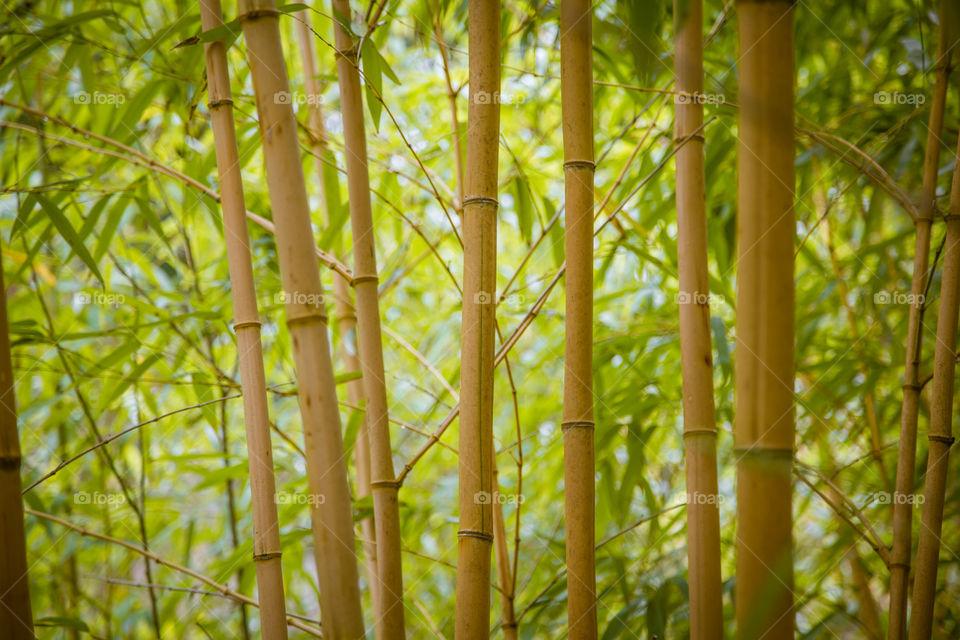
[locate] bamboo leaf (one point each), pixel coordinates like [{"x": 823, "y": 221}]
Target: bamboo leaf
[{"x": 68, "y": 233}]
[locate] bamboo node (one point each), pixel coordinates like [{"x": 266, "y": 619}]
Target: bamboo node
[
  {"x": 9, "y": 463},
  {"x": 948, "y": 217},
  {"x": 391, "y": 485},
  {"x": 473, "y": 533},
  {"x": 266, "y": 555},
  {"x": 755, "y": 452},
  {"x": 246, "y": 324},
  {"x": 480, "y": 201},
  {"x": 351, "y": 54},
  {"x": 221, "y": 102},
  {"x": 254, "y": 14},
  {"x": 576, "y": 424},
  {"x": 306, "y": 318},
  {"x": 699, "y": 431},
  {"x": 947, "y": 440},
  {"x": 362, "y": 279},
  {"x": 902, "y": 565},
  {"x": 580, "y": 164},
  {"x": 699, "y": 137},
  {"x": 916, "y": 386}
]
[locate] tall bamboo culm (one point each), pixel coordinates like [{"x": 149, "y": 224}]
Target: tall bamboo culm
[
  {"x": 383, "y": 482},
  {"x": 16, "y": 616},
  {"x": 346, "y": 317},
  {"x": 696, "y": 350},
  {"x": 909, "y": 411},
  {"x": 475, "y": 535},
  {"x": 941, "y": 425},
  {"x": 266, "y": 527},
  {"x": 306, "y": 317},
  {"x": 576, "y": 92},
  {"x": 764, "y": 422}
]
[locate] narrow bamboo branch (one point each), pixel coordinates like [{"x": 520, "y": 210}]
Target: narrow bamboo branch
[
  {"x": 386, "y": 508},
  {"x": 346, "y": 318},
  {"x": 910, "y": 409},
  {"x": 764, "y": 420},
  {"x": 696, "y": 349},
  {"x": 576, "y": 92},
  {"x": 475, "y": 535},
  {"x": 16, "y": 617},
  {"x": 306, "y": 316},
  {"x": 266, "y": 525},
  {"x": 225, "y": 590},
  {"x": 941, "y": 425}
]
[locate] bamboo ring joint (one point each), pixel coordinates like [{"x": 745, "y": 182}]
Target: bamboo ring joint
[
  {"x": 576, "y": 424},
  {"x": 911, "y": 385},
  {"x": 254, "y": 14},
  {"x": 246, "y": 324},
  {"x": 947, "y": 440},
  {"x": 385, "y": 484},
  {"x": 10, "y": 463},
  {"x": 306, "y": 318},
  {"x": 267, "y": 555},
  {"x": 348, "y": 54},
  {"x": 580, "y": 164},
  {"x": 699, "y": 431},
  {"x": 368, "y": 278},
  {"x": 472, "y": 533},
  {"x": 693, "y": 136},
  {"x": 755, "y": 452},
  {"x": 222, "y": 102},
  {"x": 948, "y": 217},
  {"x": 481, "y": 201}
]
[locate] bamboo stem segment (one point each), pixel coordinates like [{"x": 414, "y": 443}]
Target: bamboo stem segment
[
  {"x": 475, "y": 536},
  {"x": 16, "y": 617},
  {"x": 306, "y": 318},
  {"x": 386, "y": 508},
  {"x": 266, "y": 527},
  {"x": 696, "y": 350},
  {"x": 941, "y": 426},
  {"x": 576, "y": 91},
  {"x": 764, "y": 421},
  {"x": 910, "y": 409}
]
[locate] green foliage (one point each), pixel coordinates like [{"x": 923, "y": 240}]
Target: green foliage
[{"x": 120, "y": 303}]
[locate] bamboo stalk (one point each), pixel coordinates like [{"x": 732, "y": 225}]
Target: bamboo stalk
[
  {"x": 386, "y": 508},
  {"x": 696, "y": 349},
  {"x": 576, "y": 91},
  {"x": 346, "y": 317},
  {"x": 306, "y": 318},
  {"x": 266, "y": 526},
  {"x": 941, "y": 425},
  {"x": 16, "y": 617},
  {"x": 910, "y": 409},
  {"x": 764, "y": 421},
  {"x": 475, "y": 535}
]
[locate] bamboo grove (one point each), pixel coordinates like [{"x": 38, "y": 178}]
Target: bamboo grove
[{"x": 477, "y": 318}]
